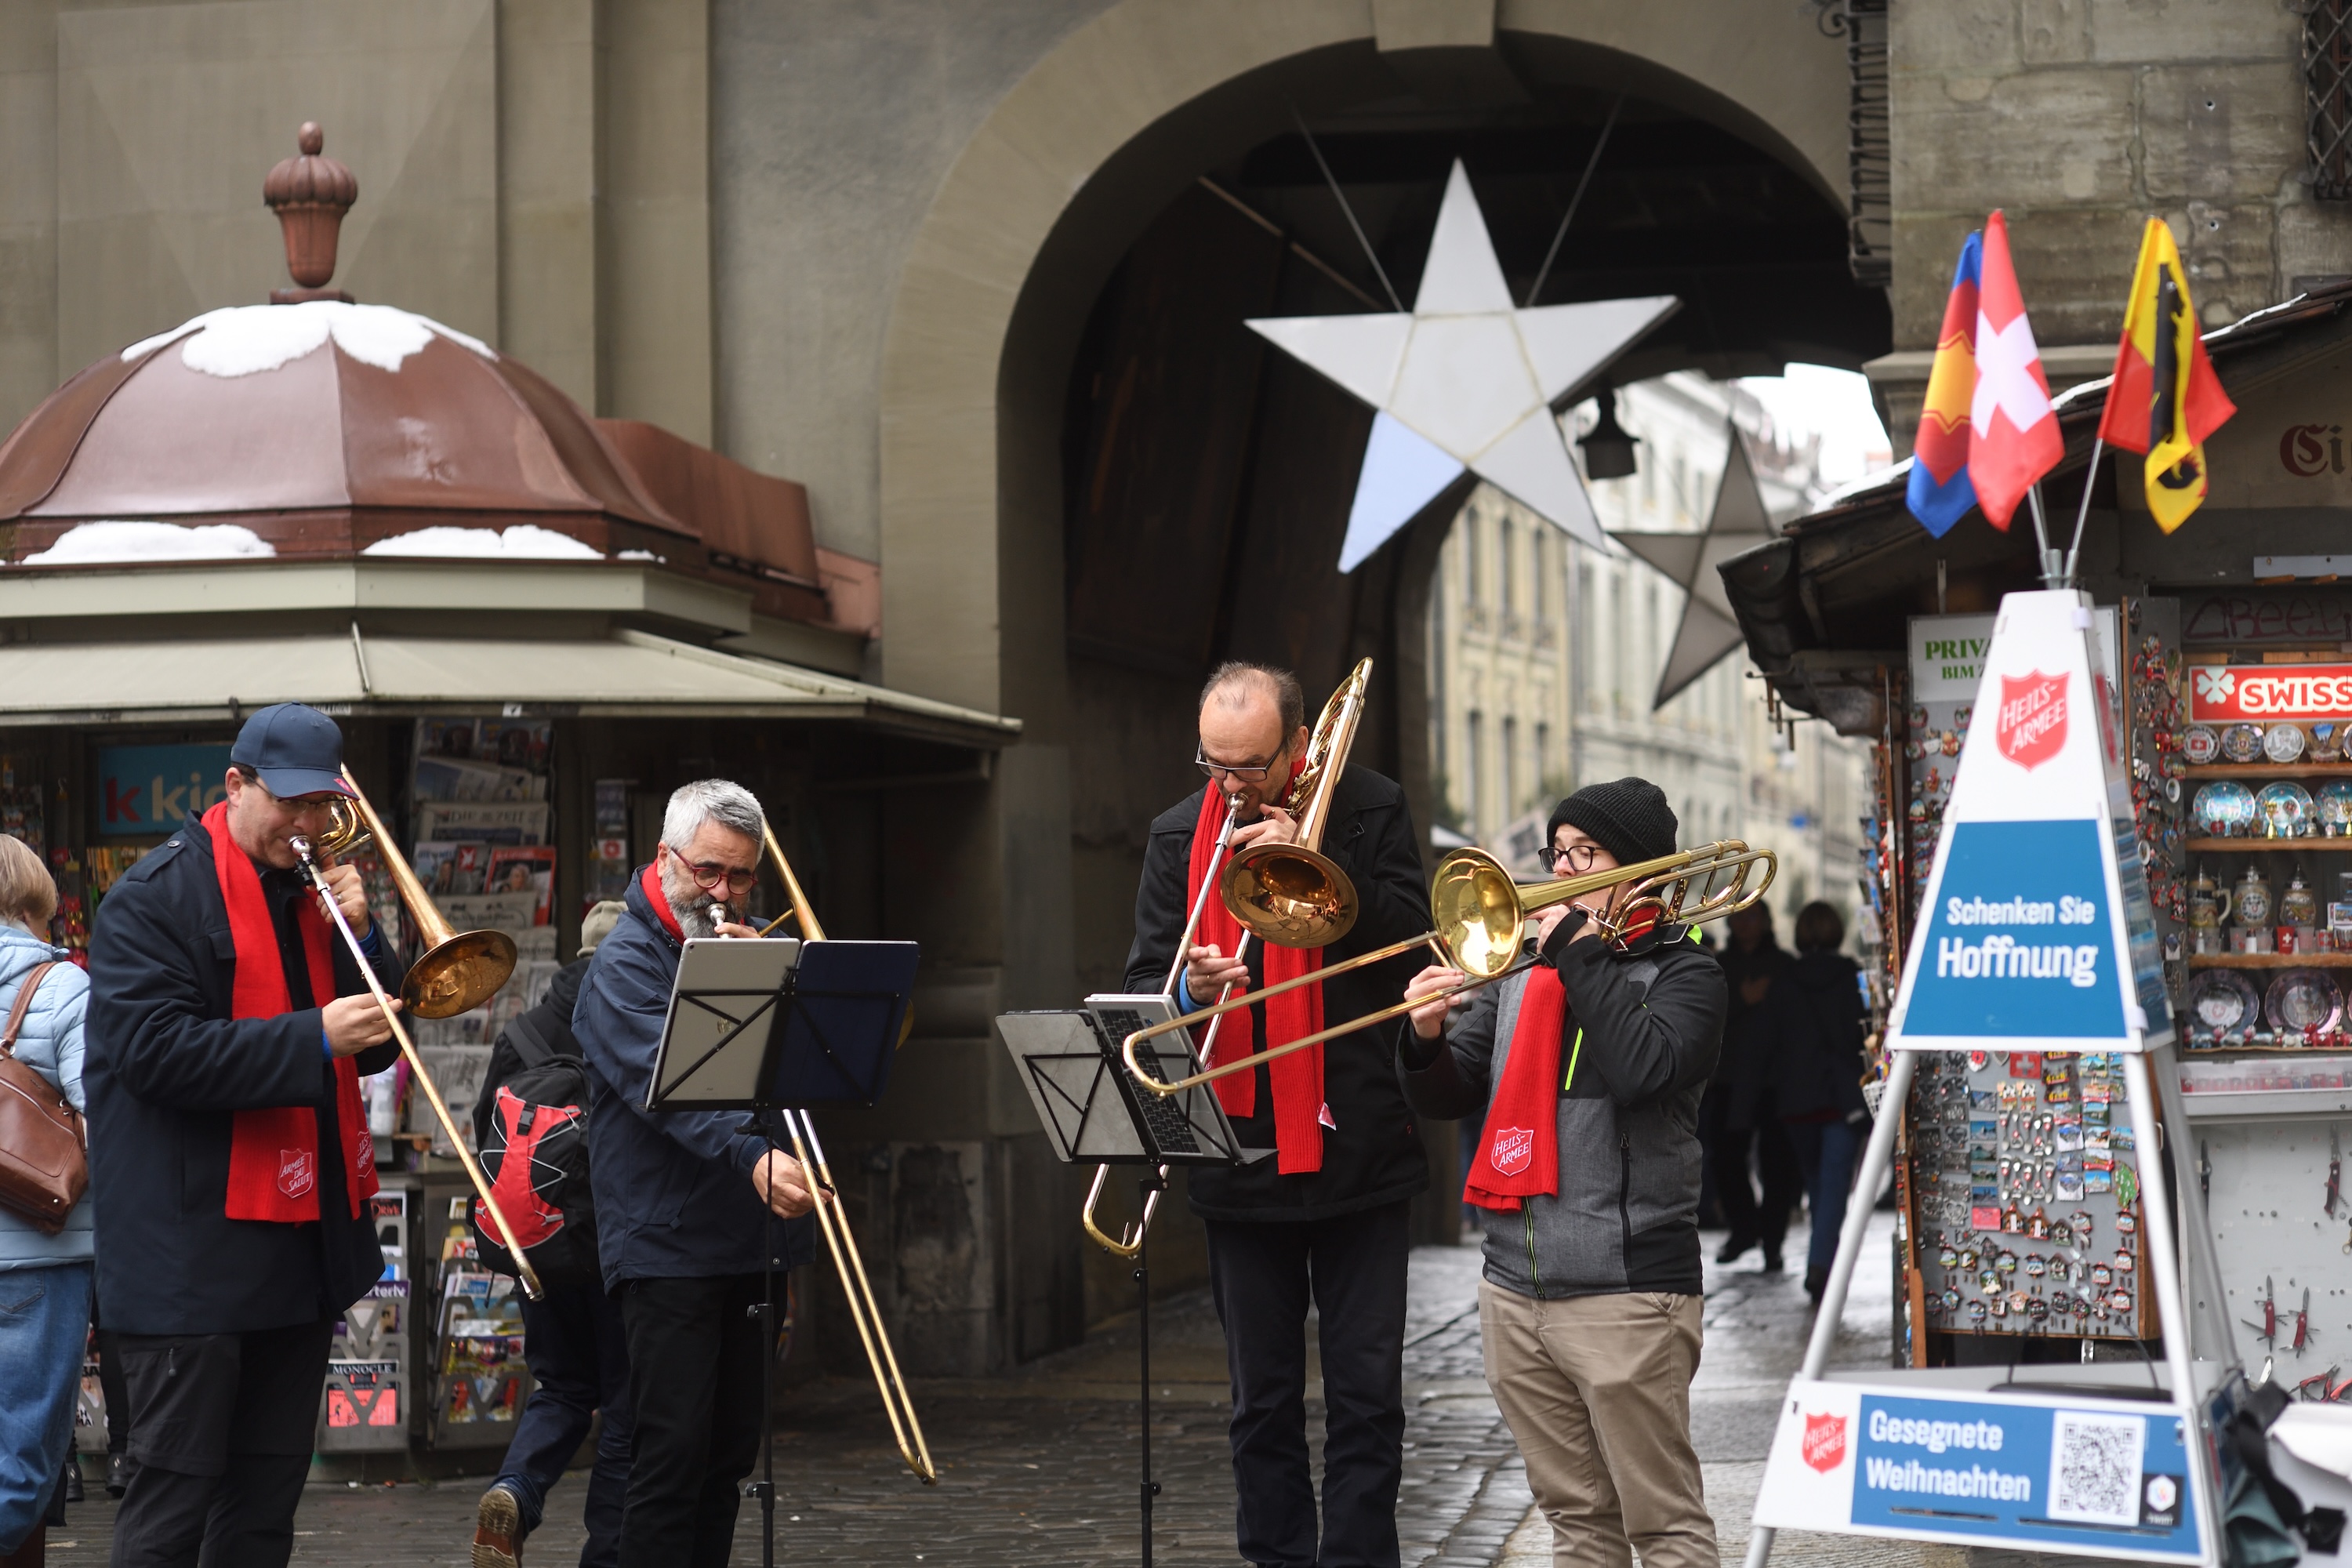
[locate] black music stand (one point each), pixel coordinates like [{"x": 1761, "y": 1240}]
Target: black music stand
[
  {"x": 774, "y": 1025},
  {"x": 1096, "y": 1113}
]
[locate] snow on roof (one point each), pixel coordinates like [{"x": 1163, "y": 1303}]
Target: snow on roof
[
  {"x": 94, "y": 543},
  {"x": 243, "y": 340},
  {"x": 524, "y": 540}
]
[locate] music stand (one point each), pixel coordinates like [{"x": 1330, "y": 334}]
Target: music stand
[
  {"x": 1096, "y": 1113},
  {"x": 779, "y": 1025}
]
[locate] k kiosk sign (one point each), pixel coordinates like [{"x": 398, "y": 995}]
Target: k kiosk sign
[{"x": 2036, "y": 933}]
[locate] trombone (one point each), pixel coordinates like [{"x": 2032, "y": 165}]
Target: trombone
[
  {"x": 865, "y": 1311},
  {"x": 1477, "y": 913},
  {"x": 457, "y": 972}
]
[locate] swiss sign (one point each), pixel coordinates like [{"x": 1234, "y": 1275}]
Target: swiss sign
[
  {"x": 2029, "y": 726},
  {"x": 2265, "y": 694}
]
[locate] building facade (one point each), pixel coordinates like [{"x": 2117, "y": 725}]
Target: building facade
[{"x": 1544, "y": 659}]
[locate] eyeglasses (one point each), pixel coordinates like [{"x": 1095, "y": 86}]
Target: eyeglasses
[
  {"x": 1577, "y": 857},
  {"x": 1243, "y": 775},
  {"x": 709, "y": 874}
]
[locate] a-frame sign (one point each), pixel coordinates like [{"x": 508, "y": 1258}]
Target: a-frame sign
[{"x": 2036, "y": 934}]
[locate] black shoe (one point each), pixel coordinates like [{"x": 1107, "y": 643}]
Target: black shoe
[
  {"x": 74, "y": 1492},
  {"x": 1817, "y": 1284},
  {"x": 1734, "y": 1248},
  {"x": 117, "y": 1474},
  {"x": 1771, "y": 1258}
]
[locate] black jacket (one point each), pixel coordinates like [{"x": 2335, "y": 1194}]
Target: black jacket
[
  {"x": 1636, "y": 1045},
  {"x": 1374, "y": 1156},
  {"x": 1813, "y": 1032},
  {"x": 167, "y": 1071},
  {"x": 550, "y": 1022},
  {"x": 674, "y": 1194},
  {"x": 1744, "y": 1077}
]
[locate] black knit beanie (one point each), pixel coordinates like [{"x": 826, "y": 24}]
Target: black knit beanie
[{"x": 1628, "y": 817}]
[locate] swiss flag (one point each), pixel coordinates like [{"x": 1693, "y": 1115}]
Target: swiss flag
[{"x": 2013, "y": 436}]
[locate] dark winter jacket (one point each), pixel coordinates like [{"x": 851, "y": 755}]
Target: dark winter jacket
[
  {"x": 550, "y": 1023},
  {"x": 166, "y": 1069},
  {"x": 674, "y": 1194},
  {"x": 1813, "y": 1030},
  {"x": 1374, "y": 1155},
  {"x": 1626, "y": 1215},
  {"x": 1743, "y": 1075}
]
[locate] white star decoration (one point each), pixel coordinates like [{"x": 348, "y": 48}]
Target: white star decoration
[
  {"x": 1738, "y": 523},
  {"x": 1466, "y": 381}
]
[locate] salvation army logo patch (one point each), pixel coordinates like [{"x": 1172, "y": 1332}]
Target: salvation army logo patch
[
  {"x": 1824, "y": 1445},
  {"x": 2030, "y": 728},
  {"x": 296, "y": 1172},
  {"x": 1514, "y": 1147}
]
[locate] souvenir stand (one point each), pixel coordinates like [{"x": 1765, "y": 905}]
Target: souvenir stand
[{"x": 2032, "y": 984}]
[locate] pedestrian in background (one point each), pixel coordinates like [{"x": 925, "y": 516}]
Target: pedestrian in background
[
  {"x": 573, "y": 1340},
  {"x": 44, "y": 1279},
  {"x": 1736, "y": 1116},
  {"x": 1813, "y": 1049}
]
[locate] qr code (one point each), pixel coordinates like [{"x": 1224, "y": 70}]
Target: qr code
[{"x": 2094, "y": 1467}]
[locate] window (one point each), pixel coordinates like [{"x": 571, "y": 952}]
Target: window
[
  {"x": 1617, "y": 638},
  {"x": 1510, "y": 768},
  {"x": 1542, "y": 575},
  {"x": 1543, "y": 753},
  {"x": 1587, "y": 678},
  {"x": 1506, "y": 590},
  {"x": 1470, "y": 555},
  {"x": 1473, "y": 730}
]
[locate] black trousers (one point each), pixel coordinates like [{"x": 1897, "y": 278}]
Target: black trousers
[
  {"x": 1753, "y": 1220},
  {"x": 695, "y": 1387},
  {"x": 1262, "y": 1276},
  {"x": 221, "y": 1431}
]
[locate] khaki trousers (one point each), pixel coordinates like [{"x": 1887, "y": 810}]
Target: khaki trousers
[{"x": 1596, "y": 1393}]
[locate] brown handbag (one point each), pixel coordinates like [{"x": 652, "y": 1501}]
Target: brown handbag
[{"x": 44, "y": 1170}]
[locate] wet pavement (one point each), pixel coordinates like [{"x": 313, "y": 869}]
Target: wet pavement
[{"x": 1040, "y": 1467}]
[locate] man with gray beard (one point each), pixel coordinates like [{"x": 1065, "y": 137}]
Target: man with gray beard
[{"x": 682, "y": 1197}]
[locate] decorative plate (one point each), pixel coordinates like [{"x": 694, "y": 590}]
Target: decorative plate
[
  {"x": 2303, "y": 999},
  {"x": 2283, "y": 810},
  {"x": 2242, "y": 742},
  {"x": 2223, "y": 808},
  {"x": 2222, "y": 1000},
  {"x": 2200, "y": 745},
  {"x": 2333, "y": 805},
  {"x": 2282, "y": 742}
]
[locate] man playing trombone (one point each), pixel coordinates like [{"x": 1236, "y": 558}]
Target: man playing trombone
[
  {"x": 1589, "y": 1067},
  {"x": 1324, "y": 1218},
  {"x": 229, "y": 1153},
  {"x": 682, "y": 1197}
]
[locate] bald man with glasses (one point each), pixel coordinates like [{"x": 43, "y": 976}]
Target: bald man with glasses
[{"x": 1323, "y": 1220}]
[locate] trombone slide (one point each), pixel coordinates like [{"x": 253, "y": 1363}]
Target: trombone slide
[{"x": 417, "y": 1066}]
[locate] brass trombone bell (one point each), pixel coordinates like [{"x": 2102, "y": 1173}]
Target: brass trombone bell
[{"x": 460, "y": 970}]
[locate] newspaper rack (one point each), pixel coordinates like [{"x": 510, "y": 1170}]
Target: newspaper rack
[{"x": 2109, "y": 1458}]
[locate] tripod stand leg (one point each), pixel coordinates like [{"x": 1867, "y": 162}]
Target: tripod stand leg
[{"x": 1144, "y": 1190}]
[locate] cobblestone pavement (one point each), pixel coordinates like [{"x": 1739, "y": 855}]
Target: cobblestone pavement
[{"x": 1040, "y": 1467}]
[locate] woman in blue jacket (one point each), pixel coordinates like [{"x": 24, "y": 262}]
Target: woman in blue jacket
[{"x": 44, "y": 1279}]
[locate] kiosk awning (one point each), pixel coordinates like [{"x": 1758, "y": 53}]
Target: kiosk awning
[{"x": 625, "y": 673}]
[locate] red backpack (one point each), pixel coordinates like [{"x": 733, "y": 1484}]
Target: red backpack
[{"x": 531, "y": 1127}]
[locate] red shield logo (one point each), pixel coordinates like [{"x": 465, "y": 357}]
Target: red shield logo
[
  {"x": 1514, "y": 1147},
  {"x": 296, "y": 1172},
  {"x": 2031, "y": 725},
  {"x": 1824, "y": 1442}
]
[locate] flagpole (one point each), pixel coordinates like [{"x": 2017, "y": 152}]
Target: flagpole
[
  {"x": 2050, "y": 577},
  {"x": 2081, "y": 511}
]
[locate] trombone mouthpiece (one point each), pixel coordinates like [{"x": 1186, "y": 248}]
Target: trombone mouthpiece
[{"x": 302, "y": 848}]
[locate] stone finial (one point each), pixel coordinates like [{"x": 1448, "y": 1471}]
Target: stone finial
[{"x": 310, "y": 192}]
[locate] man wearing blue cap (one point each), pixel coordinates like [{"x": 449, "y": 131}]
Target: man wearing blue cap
[{"x": 230, "y": 1163}]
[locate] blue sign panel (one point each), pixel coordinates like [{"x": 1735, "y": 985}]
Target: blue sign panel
[
  {"x": 2082, "y": 1479},
  {"x": 148, "y": 789},
  {"x": 2020, "y": 944}
]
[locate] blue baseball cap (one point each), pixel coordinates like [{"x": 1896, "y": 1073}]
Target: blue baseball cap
[{"x": 295, "y": 748}]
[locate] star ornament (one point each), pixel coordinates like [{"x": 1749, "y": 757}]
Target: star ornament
[
  {"x": 1739, "y": 523},
  {"x": 1466, "y": 381}
]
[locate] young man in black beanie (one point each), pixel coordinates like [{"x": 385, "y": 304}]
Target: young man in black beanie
[{"x": 1590, "y": 1067}]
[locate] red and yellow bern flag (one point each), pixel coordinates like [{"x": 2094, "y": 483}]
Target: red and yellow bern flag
[{"x": 2165, "y": 398}]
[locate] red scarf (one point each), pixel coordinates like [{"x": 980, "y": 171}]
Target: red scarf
[
  {"x": 273, "y": 1156},
  {"x": 650, "y": 880},
  {"x": 1518, "y": 1154},
  {"x": 1297, "y": 1078}
]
